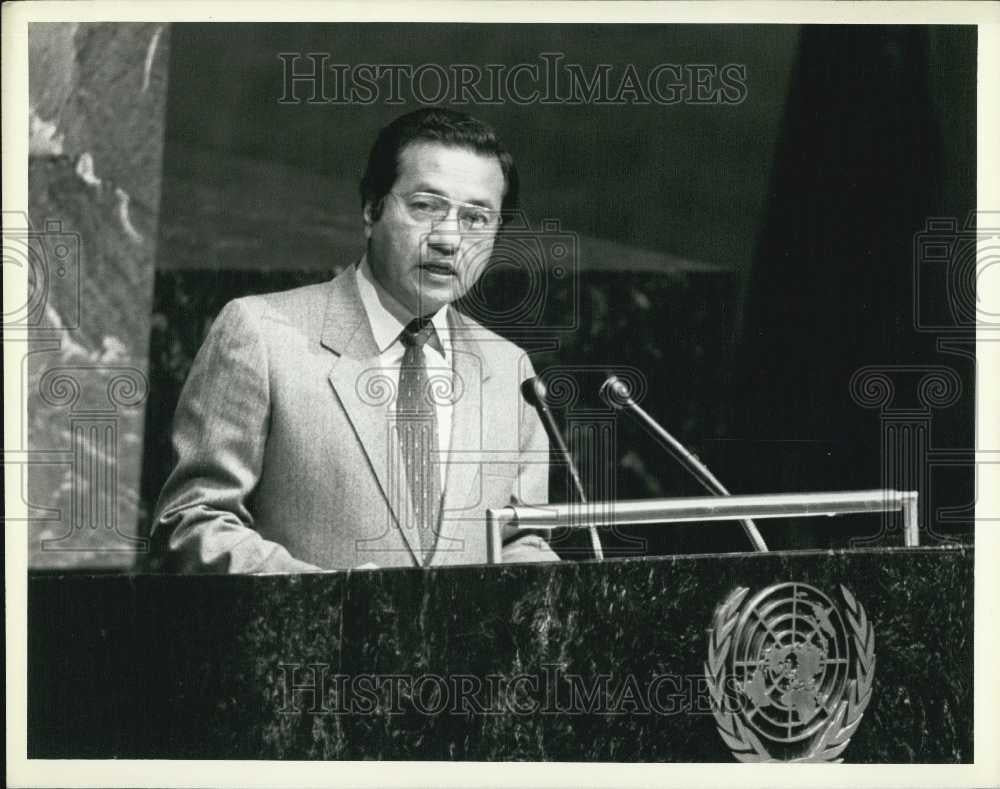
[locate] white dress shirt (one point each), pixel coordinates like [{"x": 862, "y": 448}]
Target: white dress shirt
[{"x": 387, "y": 318}]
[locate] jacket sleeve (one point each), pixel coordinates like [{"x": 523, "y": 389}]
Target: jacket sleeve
[
  {"x": 531, "y": 485},
  {"x": 202, "y": 519}
]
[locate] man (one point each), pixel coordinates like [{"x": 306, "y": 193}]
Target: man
[{"x": 363, "y": 421}]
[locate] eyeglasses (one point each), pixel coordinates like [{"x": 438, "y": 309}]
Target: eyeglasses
[{"x": 427, "y": 208}]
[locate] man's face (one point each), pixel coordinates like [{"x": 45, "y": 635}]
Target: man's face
[{"x": 425, "y": 265}]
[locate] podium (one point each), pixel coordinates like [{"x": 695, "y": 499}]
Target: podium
[{"x": 861, "y": 655}]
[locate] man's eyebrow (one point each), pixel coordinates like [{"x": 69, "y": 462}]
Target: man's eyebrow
[{"x": 425, "y": 188}]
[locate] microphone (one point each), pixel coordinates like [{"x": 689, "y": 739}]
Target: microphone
[
  {"x": 617, "y": 394},
  {"x": 535, "y": 393}
]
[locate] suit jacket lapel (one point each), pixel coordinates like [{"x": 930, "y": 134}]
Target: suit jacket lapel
[
  {"x": 365, "y": 394},
  {"x": 467, "y": 431}
]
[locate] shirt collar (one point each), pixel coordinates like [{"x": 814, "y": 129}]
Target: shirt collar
[{"x": 388, "y": 317}]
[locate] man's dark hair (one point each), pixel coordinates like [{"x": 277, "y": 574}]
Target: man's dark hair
[{"x": 433, "y": 124}]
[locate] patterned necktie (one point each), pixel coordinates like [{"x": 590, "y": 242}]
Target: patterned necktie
[{"x": 416, "y": 423}]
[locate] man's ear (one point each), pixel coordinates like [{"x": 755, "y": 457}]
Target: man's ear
[{"x": 370, "y": 213}]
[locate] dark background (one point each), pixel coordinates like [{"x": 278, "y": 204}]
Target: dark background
[{"x": 747, "y": 259}]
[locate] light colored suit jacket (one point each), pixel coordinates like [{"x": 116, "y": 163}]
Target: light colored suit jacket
[{"x": 286, "y": 453}]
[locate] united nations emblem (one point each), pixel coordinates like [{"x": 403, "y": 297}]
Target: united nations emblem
[{"x": 789, "y": 675}]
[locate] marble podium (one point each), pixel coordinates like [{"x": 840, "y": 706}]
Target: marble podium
[{"x": 589, "y": 661}]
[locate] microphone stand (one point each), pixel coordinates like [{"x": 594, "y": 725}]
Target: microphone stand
[
  {"x": 618, "y": 395},
  {"x": 535, "y": 393}
]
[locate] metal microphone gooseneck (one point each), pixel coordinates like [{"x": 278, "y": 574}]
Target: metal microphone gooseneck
[
  {"x": 616, "y": 393},
  {"x": 535, "y": 393}
]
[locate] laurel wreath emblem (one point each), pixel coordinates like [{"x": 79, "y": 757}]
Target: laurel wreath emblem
[{"x": 829, "y": 742}]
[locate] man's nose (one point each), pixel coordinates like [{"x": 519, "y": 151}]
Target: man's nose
[{"x": 445, "y": 234}]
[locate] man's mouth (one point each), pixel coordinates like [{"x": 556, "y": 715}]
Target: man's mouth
[{"x": 439, "y": 268}]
